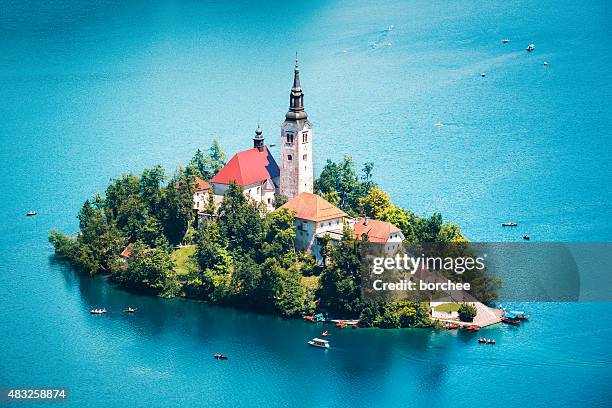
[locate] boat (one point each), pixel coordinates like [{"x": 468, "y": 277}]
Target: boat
[
  {"x": 130, "y": 309},
  {"x": 519, "y": 314},
  {"x": 526, "y": 237},
  {"x": 438, "y": 124},
  {"x": 505, "y": 41},
  {"x": 451, "y": 326},
  {"x": 509, "y": 224},
  {"x": 317, "y": 342},
  {"x": 472, "y": 327},
  {"x": 220, "y": 356},
  {"x": 510, "y": 318},
  {"x": 325, "y": 333},
  {"x": 309, "y": 318},
  {"x": 484, "y": 74},
  {"x": 486, "y": 341},
  {"x": 545, "y": 63},
  {"x": 31, "y": 213},
  {"x": 530, "y": 48},
  {"x": 97, "y": 311},
  {"x": 341, "y": 325}
]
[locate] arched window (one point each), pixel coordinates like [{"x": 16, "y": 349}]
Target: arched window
[
  {"x": 289, "y": 157},
  {"x": 289, "y": 137},
  {"x": 304, "y": 137}
]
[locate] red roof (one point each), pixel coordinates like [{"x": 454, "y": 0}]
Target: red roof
[
  {"x": 377, "y": 231},
  {"x": 312, "y": 207},
  {"x": 127, "y": 251},
  {"x": 201, "y": 185},
  {"x": 248, "y": 167}
]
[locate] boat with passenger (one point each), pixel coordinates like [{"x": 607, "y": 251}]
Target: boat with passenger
[
  {"x": 509, "y": 224},
  {"x": 97, "y": 311},
  {"x": 317, "y": 342},
  {"x": 530, "y": 48},
  {"x": 220, "y": 356},
  {"x": 130, "y": 309},
  {"x": 486, "y": 341},
  {"x": 31, "y": 213}
]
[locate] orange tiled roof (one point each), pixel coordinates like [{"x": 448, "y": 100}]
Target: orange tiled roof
[
  {"x": 312, "y": 207},
  {"x": 377, "y": 231},
  {"x": 201, "y": 185}
]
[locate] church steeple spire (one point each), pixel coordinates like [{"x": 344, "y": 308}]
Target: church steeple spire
[
  {"x": 296, "y": 99},
  {"x": 258, "y": 140}
]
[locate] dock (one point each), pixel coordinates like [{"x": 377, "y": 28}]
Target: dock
[{"x": 485, "y": 316}]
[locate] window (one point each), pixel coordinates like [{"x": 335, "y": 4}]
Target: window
[
  {"x": 289, "y": 157},
  {"x": 289, "y": 137},
  {"x": 304, "y": 137},
  {"x": 304, "y": 157}
]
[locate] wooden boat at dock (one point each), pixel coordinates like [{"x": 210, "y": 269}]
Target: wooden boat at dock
[
  {"x": 472, "y": 327},
  {"x": 510, "y": 318},
  {"x": 451, "y": 326}
]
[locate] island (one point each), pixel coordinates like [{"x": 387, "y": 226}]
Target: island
[{"x": 252, "y": 234}]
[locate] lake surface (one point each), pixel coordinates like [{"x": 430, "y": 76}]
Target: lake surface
[{"x": 90, "y": 90}]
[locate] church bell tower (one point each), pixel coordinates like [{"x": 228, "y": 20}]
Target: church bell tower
[{"x": 296, "y": 144}]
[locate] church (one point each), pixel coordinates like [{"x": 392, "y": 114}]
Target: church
[
  {"x": 257, "y": 171},
  {"x": 263, "y": 180}
]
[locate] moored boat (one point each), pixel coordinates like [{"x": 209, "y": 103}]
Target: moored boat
[
  {"x": 472, "y": 327},
  {"x": 317, "y": 342},
  {"x": 510, "y": 318},
  {"x": 451, "y": 326}
]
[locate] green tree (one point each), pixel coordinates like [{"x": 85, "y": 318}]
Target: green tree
[
  {"x": 240, "y": 221},
  {"x": 340, "y": 282},
  {"x": 150, "y": 269},
  {"x": 209, "y": 164},
  {"x": 179, "y": 207},
  {"x": 375, "y": 204},
  {"x": 467, "y": 312},
  {"x": 279, "y": 233}
]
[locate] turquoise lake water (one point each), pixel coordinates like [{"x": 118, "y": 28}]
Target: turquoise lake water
[{"x": 90, "y": 90}]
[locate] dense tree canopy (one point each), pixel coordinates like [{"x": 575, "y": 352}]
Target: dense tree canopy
[{"x": 243, "y": 255}]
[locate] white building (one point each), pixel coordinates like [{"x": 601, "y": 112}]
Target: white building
[
  {"x": 255, "y": 170},
  {"x": 314, "y": 217},
  {"x": 200, "y": 197},
  {"x": 378, "y": 232}
]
